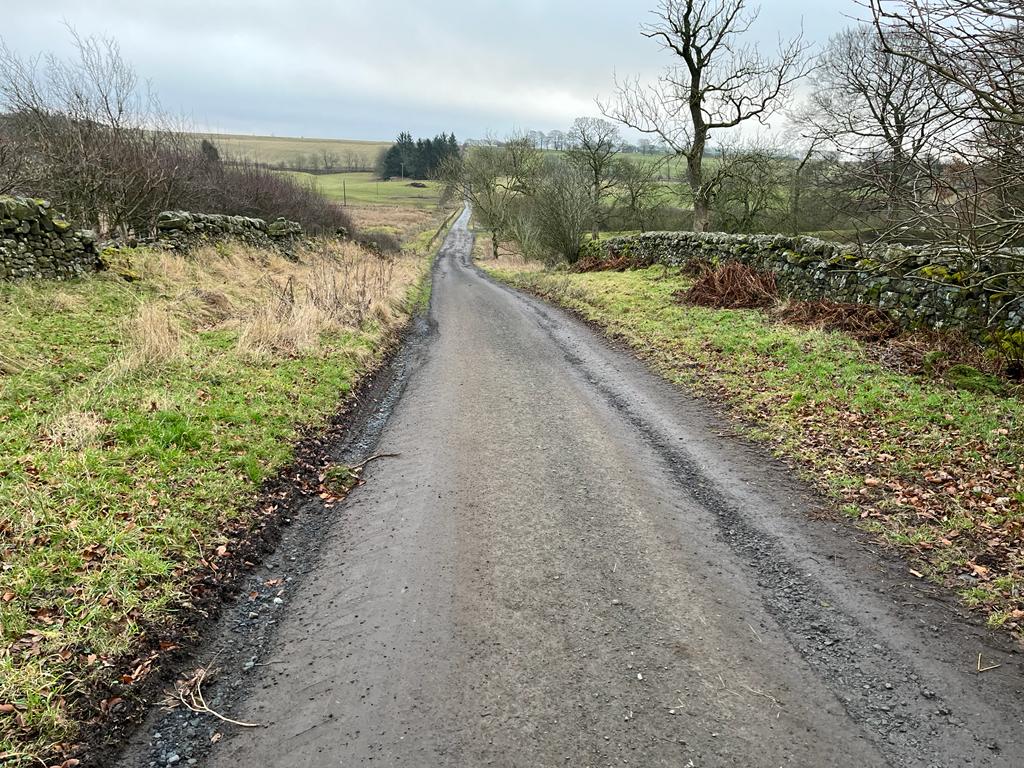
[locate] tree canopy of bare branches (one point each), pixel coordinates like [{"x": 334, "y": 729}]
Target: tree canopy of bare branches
[
  {"x": 561, "y": 209},
  {"x": 494, "y": 179},
  {"x": 716, "y": 83},
  {"x": 112, "y": 158},
  {"x": 593, "y": 147},
  {"x": 876, "y": 109},
  {"x": 88, "y": 135},
  {"x": 972, "y": 55}
]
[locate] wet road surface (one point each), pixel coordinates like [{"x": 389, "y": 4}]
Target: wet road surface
[{"x": 570, "y": 565}]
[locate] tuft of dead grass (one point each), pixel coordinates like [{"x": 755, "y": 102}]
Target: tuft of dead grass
[
  {"x": 10, "y": 365},
  {"x": 74, "y": 430},
  {"x": 153, "y": 337},
  {"x": 61, "y": 301}
]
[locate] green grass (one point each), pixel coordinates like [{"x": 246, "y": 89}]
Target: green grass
[
  {"x": 367, "y": 189},
  {"x": 114, "y": 479},
  {"x": 933, "y": 468},
  {"x": 287, "y": 150}
]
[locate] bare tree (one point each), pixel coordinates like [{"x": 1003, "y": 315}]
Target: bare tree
[
  {"x": 109, "y": 155},
  {"x": 972, "y": 53},
  {"x": 721, "y": 83},
  {"x": 976, "y": 46},
  {"x": 594, "y": 147},
  {"x": 557, "y": 140},
  {"x": 561, "y": 207},
  {"x": 495, "y": 180},
  {"x": 638, "y": 192},
  {"x": 95, "y": 142},
  {"x": 877, "y": 109},
  {"x": 15, "y": 163},
  {"x": 751, "y": 179}
]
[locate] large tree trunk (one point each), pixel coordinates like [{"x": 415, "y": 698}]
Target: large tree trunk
[
  {"x": 695, "y": 176},
  {"x": 494, "y": 244},
  {"x": 701, "y": 212}
]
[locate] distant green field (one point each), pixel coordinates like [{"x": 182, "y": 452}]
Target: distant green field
[
  {"x": 275, "y": 150},
  {"x": 366, "y": 188}
]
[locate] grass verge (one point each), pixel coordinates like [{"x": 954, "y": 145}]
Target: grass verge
[
  {"x": 930, "y": 467},
  {"x": 137, "y": 423}
]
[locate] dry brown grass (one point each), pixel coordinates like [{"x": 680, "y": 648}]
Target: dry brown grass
[
  {"x": 74, "y": 430},
  {"x": 277, "y": 306},
  {"x": 509, "y": 257},
  {"x": 404, "y": 223},
  {"x": 61, "y": 301},
  {"x": 153, "y": 337}
]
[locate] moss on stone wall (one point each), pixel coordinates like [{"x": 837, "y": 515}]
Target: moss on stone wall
[{"x": 919, "y": 286}]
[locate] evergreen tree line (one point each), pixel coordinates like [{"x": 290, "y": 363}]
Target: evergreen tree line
[{"x": 419, "y": 159}]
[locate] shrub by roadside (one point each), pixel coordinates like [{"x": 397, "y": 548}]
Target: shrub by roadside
[
  {"x": 929, "y": 464},
  {"x": 137, "y": 421}
]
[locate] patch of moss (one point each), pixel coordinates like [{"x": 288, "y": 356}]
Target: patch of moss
[{"x": 970, "y": 379}]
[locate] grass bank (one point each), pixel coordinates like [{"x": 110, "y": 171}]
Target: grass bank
[
  {"x": 931, "y": 467},
  {"x": 137, "y": 422}
]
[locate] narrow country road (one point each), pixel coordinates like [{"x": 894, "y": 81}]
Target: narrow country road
[{"x": 569, "y": 564}]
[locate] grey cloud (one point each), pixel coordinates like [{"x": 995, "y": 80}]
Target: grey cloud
[{"x": 365, "y": 69}]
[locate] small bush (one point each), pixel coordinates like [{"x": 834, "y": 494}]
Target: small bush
[
  {"x": 379, "y": 242},
  {"x": 858, "y": 320},
  {"x": 732, "y": 286}
]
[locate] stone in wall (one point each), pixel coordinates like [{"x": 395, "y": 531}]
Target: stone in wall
[{"x": 35, "y": 241}]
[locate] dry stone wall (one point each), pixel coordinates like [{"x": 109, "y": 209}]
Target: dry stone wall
[
  {"x": 36, "y": 242},
  {"x": 182, "y": 230},
  {"x": 920, "y": 286}
]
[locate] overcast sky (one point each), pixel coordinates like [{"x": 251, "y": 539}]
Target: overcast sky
[{"x": 366, "y": 69}]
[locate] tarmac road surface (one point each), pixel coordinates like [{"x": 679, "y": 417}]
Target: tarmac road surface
[{"x": 570, "y": 563}]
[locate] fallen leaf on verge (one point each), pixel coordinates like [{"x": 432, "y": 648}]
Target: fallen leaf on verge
[{"x": 108, "y": 704}]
